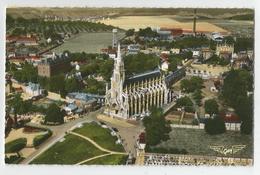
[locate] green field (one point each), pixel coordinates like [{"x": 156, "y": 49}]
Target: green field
[
  {"x": 88, "y": 42},
  {"x": 71, "y": 151},
  {"x": 100, "y": 135},
  {"x": 197, "y": 141},
  {"x": 115, "y": 159}
]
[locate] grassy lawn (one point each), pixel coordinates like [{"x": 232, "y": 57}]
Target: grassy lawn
[
  {"x": 115, "y": 159},
  {"x": 72, "y": 150},
  {"x": 198, "y": 141},
  {"x": 88, "y": 42},
  {"x": 100, "y": 135}
]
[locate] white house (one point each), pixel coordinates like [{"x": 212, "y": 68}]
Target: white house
[
  {"x": 196, "y": 53},
  {"x": 175, "y": 50},
  {"x": 33, "y": 89}
]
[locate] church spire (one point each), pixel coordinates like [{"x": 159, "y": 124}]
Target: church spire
[{"x": 118, "y": 53}]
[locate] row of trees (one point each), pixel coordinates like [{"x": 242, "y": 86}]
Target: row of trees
[{"x": 38, "y": 25}]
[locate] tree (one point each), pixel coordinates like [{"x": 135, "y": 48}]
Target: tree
[
  {"x": 156, "y": 127},
  {"x": 197, "y": 96},
  {"x": 186, "y": 103},
  {"x": 130, "y": 32},
  {"x": 57, "y": 84},
  {"x": 72, "y": 85},
  {"x": 194, "y": 83},
  {"x": 211, "y": 106},
  {"x": 19, "y": 106},
  {"x": 215, "y": 125},
  {"x": 95, "y": 87},
  {"x": 147, "y": 32},
  {"x": 54, "y": 115}
]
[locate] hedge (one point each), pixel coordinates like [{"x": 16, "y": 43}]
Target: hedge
[
  {"x": 15, "y": 145},
  {"x": 41, "y": 138},
  {"x": 165, "y": 150},
  {"x": 13, "y": 159}
]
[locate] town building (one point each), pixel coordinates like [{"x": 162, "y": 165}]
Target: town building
[
  {"x": 53, "y": 66},
  {"x": 206, "y": 71},
  {"x": 132, "y": 97},
  {"x": 225, "y": 50},
  {"x": 86, "y": 101},
  {"x": 133, "y": 49},
  {"x": 206, "y": 53},
  {"x": 175, "y": 50},
  {"x": 33, "y": 89}
]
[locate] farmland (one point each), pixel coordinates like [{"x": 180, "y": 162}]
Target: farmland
[
  {"x": 128, "y": 22},
  {"x": 87, "y": 42}
]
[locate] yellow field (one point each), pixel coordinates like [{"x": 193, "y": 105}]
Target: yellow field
[{"x": 137, "y": 22}]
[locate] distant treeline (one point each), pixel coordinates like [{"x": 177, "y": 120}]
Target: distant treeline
[
  {"x": 247, "y": 17},
  {"x": 79, "y": 12}
]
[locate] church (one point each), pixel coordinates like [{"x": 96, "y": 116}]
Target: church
[{"x": 132, "y": 97}]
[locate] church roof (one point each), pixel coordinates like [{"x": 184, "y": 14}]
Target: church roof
[{"x": 142, "y": 76}]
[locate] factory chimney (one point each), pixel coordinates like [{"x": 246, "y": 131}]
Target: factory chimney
[{"x": 194, "y": 22}]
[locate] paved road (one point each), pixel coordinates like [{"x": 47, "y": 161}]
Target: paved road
[
  {"x": 58, "y": 133},
  {"x": 128, "y": 135}
]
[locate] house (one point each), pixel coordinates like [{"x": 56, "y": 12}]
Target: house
[
  {"x": 217, "y": 37},
  {"x": 225, "y": 50},
  {"x": 207, "y": 53},
  {"x": 175, "y": 32},
  {"x": 175, "y": 50},
  {"x": 70, "y": 108},
  {"x": 196, "y": 53},
  {"x": 133, "y": 49},
  {"x": 165, "y": 66},
  {"x": 27, "y": 41},
  {"x": 206, "y": 71},
  {"x": 33, "y": 89},
  {"x": 165, "y": 35},
  {"x": 88, "y": 102}
]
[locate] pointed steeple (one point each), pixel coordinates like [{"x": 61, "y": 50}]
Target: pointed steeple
[{"x": 118, "y": 52}]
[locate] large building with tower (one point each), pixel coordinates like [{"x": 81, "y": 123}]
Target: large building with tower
[{"x": 132, "y": 97}]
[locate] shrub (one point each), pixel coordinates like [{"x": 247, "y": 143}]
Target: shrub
[
  {"x": 215, "y": 126},
  {"x": 41, "y": 138},
  {"x": 13, "y": 159},
  {"x": 15, "y": 145}
]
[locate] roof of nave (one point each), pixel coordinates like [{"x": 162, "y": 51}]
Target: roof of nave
[{"x": 143, "y": 76}]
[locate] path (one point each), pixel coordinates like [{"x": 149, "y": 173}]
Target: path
[
  {"x": 96, "y": 157},
  {"x": 95, "y": 144}
]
